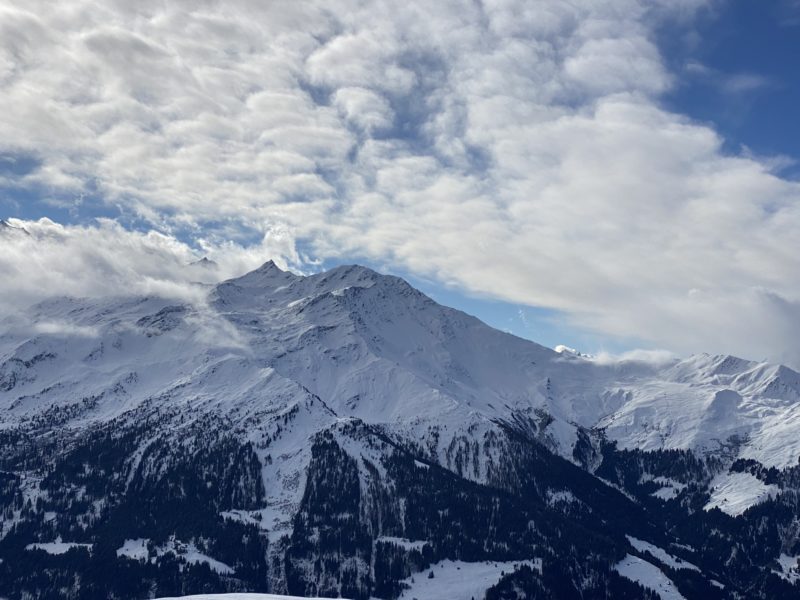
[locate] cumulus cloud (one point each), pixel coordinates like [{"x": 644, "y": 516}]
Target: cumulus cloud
[
  {"x": 42, "y": 258},
  {"x": 363, "y": 107},
  {"x": 511, "y": 148},
  {"x": 656, "y": 358}
]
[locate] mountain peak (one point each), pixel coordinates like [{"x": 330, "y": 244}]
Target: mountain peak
[
  {"x": 6, "y": 227},
  {"x": 203, "y": 262},
  {"x": 268, "y": 277},
  {"x": 269, "y": 267},
  {"x": 349, "y": 273},
  {"x": 268, "y": 270},
  {"x": 343, "y": 277}
]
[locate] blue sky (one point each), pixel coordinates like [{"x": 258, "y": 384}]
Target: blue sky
[
  {"x": 611, "y": 175},
  {"x": 754, "y": 44}
]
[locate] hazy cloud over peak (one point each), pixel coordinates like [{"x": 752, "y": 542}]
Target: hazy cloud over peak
[{"x": 516, "y": 149}]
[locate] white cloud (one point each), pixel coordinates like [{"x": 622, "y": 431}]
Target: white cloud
[
  {"x": 741, "y": 83},
  {"x": 363, "y": 58},
  {"x": 104, "y": 259},
  {"x": 364, "y": 108},
  {"x": 610, "y": 65},
  {"x": 651, "y": 357},
  {"x": 66, "y": 329},
  {"x": 735, "y": 84},
  {"x": 515, "y": 149}
]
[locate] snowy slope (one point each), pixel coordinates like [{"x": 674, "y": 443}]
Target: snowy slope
[
  {"x": 733, "y": 493},
  {"x": 351, "y": 343},
  {"x": 458, "y": 580},
  {"x": 661, "y": 554},
  {"x": 711, "y": 403},
  {"x": 650, "y": 576}
]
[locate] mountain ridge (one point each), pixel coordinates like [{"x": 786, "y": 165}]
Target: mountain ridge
[{"x": 356, "y": 384}]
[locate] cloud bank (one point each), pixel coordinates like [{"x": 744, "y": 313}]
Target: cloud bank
[
  {"x": 42, "y": 258},
  {"x": 512, "y": 148}
]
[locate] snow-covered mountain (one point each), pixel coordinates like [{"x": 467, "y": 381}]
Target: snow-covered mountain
[
  {"x": 338, "y": 433},
  {"x": 7, "y": 228}
]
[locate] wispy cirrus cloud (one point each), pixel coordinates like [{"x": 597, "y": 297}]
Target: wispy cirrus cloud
[
  {"x": 514, "y": 149},
  {"x": 729, "y": 83}
]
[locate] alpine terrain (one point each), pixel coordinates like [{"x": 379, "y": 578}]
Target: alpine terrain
[{"x": 343, "y": 435}]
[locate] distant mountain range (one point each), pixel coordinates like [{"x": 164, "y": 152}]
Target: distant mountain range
[{"x": 342, "y": 434}]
